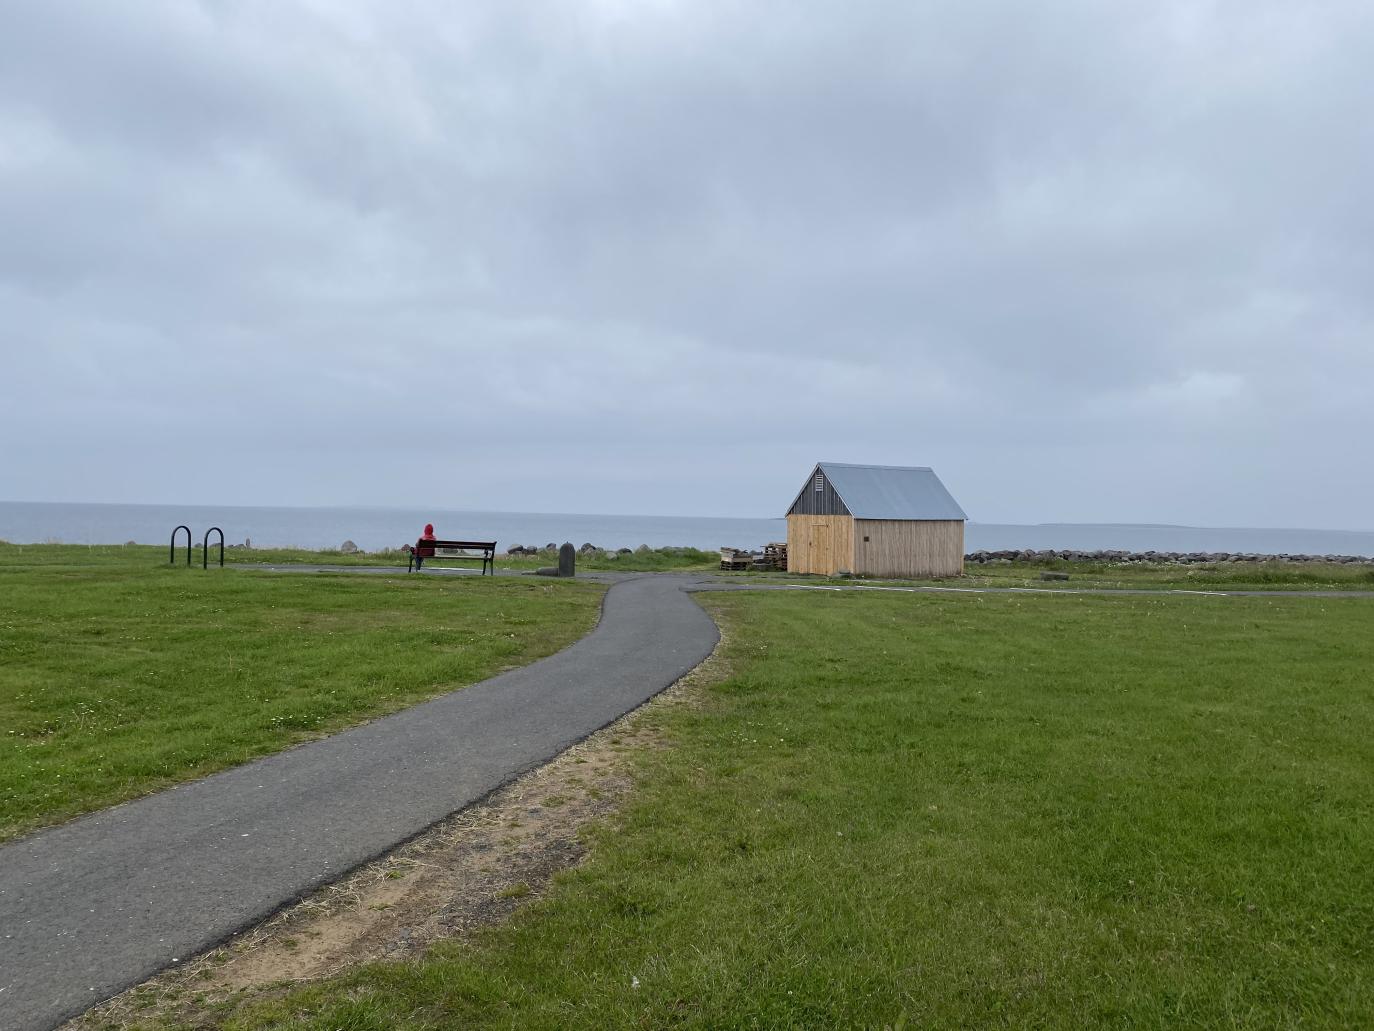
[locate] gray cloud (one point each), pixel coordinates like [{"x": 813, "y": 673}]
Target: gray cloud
[{"x": 1090, "y": 261}]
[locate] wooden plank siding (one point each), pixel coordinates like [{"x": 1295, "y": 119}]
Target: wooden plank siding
[
  {"x": 905, "y": 547},
  {"x": 824, "y": 502},
  {"x": 820, "y": 544}
]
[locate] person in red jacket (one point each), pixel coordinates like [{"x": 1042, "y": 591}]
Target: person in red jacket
[{"x": 422, "y": 552}]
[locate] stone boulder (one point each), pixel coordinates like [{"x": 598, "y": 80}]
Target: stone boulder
[{"x": 348, "y": 548}]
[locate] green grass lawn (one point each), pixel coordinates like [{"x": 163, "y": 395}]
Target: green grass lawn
[
  {"x": 1228, "y": 576},
  {"x": 656, "y": 560},
  {"x": 1271, "y": 575},
  {"x": 1222, "y": 576},
  {"x": 960, "y": 811},
  {"x": 119, "y": 675}
]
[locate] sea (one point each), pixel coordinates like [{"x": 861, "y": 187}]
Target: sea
[{"x": 373, "y": 529}]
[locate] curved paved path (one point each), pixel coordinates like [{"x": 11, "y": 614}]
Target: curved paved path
[{"x": 94, "y": 906}]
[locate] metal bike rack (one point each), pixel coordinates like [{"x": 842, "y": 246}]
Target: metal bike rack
[
  {"x": 205, "y": 547},
  {"x": 172, "y": 550}
]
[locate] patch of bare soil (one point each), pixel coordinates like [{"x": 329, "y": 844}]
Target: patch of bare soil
[{"x": 473, "y": 869}]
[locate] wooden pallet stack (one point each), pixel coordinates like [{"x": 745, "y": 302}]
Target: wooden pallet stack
[
  {"x": 734, "y": 558},
  {"x": 775, "y": 555}
]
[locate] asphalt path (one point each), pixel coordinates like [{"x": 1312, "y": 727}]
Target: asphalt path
[{"x": 97, "y": 905}]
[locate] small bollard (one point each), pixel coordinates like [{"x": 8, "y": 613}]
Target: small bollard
[{"x": 567, "y": 560}]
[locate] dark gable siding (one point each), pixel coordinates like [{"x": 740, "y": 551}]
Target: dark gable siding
[{"x": 818, "y": 502}]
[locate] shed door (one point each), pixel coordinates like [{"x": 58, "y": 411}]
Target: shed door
[{"x": 820, "y": 557}]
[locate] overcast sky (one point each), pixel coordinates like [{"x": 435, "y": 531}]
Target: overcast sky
[{"x": 1093, "y": 261}]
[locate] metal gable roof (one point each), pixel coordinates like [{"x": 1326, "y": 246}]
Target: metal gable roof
[{"x": 891, "y": 492}]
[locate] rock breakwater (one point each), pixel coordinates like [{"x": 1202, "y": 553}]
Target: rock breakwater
[{"x": 1185, "y": 558}]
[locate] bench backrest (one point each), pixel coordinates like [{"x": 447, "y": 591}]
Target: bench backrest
[{"x": 484, "y": 545}]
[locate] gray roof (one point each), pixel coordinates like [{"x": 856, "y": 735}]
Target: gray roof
[{"x": 891, "y": 491}]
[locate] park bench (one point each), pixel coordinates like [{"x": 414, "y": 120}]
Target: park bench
[{"x": 487, "y": 556}]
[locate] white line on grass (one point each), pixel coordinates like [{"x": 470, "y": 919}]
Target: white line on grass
[{"x": 915, "y": 590}]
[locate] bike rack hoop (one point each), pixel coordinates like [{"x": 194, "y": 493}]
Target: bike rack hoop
[
  {"x": 205, "y": 548},
  {"x": 172, "y": 550}
]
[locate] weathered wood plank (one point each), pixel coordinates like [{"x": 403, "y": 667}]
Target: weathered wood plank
[
  {"x": 908, "y": 547},
  {"x": 820, "y": 544}
]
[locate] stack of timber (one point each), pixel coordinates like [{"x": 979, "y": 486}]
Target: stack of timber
[
  {"x": 775, "y": 555},
  {"x": 734, "y": 558}
]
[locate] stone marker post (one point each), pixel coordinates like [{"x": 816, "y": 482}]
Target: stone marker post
[{"x": 567, "y": 560}]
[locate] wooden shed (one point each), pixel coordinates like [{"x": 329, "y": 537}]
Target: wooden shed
[{"x": 875, "y": 520}]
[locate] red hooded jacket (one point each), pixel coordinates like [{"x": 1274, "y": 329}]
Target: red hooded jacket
[{"x": 428, "y": 535}]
